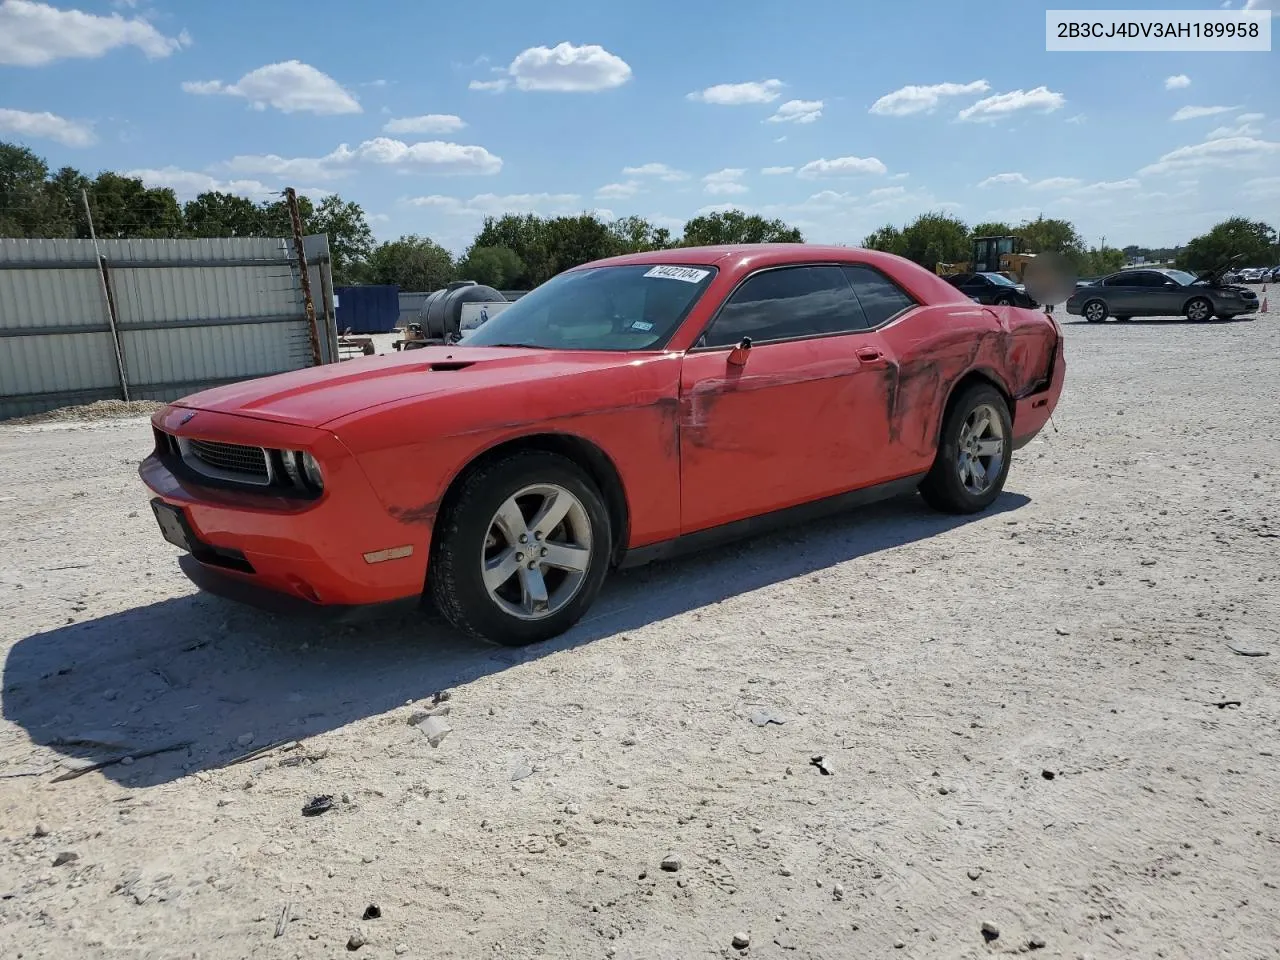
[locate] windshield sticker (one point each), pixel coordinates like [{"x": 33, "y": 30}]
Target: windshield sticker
[
  {"x": 641, "y": 325},
  {"x": 687, "y": 274}
]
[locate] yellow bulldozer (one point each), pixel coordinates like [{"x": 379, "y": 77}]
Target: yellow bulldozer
[{"x": 992, "y": 255}]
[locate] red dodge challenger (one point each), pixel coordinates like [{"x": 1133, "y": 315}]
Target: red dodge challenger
[{"x": 625, "y": 410}]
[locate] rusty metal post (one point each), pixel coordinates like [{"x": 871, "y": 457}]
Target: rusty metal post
[
  {"x": 330, "y": 312},
  {"x": 291, "y": 198},
  {"x": 107, "y": 298}
]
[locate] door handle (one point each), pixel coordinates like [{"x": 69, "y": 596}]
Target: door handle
[{"x": 872, "y": 356}]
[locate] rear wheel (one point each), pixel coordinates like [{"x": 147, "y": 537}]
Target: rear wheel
[
  {"x": 972, "y": 462},
  {"x": 1199, "y": 309},
  {"x": 1095, "y": 311},
  {"x": 523, "y": 551},
  {"x": 1003, "y": 301}
]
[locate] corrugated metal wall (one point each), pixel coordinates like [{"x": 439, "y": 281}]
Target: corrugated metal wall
[{"x": 189, "y": 314}]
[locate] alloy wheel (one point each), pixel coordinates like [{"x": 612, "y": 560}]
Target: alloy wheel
[{"x": 981, "y": 450}]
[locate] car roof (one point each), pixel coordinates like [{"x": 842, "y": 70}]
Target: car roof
[{"x": 751, "y": 255}]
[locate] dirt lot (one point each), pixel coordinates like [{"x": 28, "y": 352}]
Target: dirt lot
[{"x": 1033, "y": 719}]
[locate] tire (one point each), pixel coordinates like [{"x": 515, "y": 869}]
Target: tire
[
  {"x": 1124, "y": 319},
  {"x": 1095, "y": 311},
  {"x": 945, "y": 488},
  {"x": 1003, "y": 301},
  {"x": 1198, "y": 309},
  {"x": 471, "y": 534}
]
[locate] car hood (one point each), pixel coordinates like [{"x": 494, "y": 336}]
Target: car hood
[
  {"x": 317, "y": 396},
  {"x": 1214, "y": 276}
]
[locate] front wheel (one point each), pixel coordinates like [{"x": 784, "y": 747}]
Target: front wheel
[
  {"x": 1095, "y": 311},
  {"x": 522, "y": 551},
  {"x": 1199, "y": 309},
  {"x": 972, "y": 462},
  {"x": 1003, "y": 301}
]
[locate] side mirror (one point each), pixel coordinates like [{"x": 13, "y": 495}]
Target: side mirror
[{"x": 738, "y": 356}]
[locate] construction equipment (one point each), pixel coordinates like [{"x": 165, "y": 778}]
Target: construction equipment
[
  {"x": 350, "y": 347},
  {"x": 1004, "y": 255}
]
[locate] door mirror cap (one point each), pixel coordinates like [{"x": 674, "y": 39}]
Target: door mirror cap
[{"x": 738, "y": 355}]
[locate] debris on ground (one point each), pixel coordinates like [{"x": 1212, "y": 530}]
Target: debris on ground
[
  {"x": 318, "y": 805},
  {"x": 821, "y": 763},
  {"x": 990, "y": 932},
  {"x": 741, "y": 941},
  {"x": 672, "y": 862},
  {"x": 434, "y": 728},
  {"x": 762, "y": 716},
  {"x": 101, "y": 410}
]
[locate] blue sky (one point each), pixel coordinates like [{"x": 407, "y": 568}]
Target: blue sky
[{"x": 836, "y": 116}]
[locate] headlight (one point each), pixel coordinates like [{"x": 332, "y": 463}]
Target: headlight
[
  {"x": 303, "y": 469},
  {"x": 312, "y": 469}
]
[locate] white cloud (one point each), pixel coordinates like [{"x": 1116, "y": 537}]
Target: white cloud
[
  {"x": 427, "y": 123},
  {"x": 1109, "y": 185},
  {"x": 776, "y": 171},
  {"x": 565, "y": 68},
  {"x": 725, "y": 181},
  {"x": 46, "y": 126},
  {"x": 886, "y": 193},
  {"x": 1262, "y": 5},
  {"x": 840, "y": 167},
  {"x": 434, "y": 156},
  {"x": 485, "y": 204},
  {"x": 1240, "y": 130},
  {"x": 1002, "y": 105},
  {"x": 798, "y": 111},
  {"x": 1003, "y": 178},
  {"x": 900, "y": 176},
  {"x": 489, "y": 86},
  {"x": 1232, "y": 153},
  {"x": 1055, "y": 183},
  {"x": 1077, "y": 119},
  {"x": 1178, "y": 81},
  {"x": 33, "y": 34},
  {"x": 1195, "y": 113},
  {"x": 190, "y": 183},
  {"x": 290, "y": 87},
  {"x": 659, "y": 170},
  {"x": 923, "y": 99},
  {"x": 736, "y": 94},
  {"x": 618, "y": 191},
  {"x": 1263, "y": 186},
  {"x": 1251, "y": 117}
]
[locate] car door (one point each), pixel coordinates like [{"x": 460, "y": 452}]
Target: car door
[
  {"x": 977, "y": 286},
  {"x": 805, "y": 414},
  {"x": 1123, "y": 293}
]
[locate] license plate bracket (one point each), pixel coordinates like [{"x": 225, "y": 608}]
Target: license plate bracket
[{"x": 173, "y": 525}]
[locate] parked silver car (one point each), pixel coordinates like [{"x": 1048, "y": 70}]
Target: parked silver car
[{"x": 1162, "y": 293}]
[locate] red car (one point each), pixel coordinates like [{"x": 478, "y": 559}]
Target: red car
[{"x": 625, "y": 410}]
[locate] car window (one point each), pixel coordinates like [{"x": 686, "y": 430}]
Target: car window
[
  {"x": 1120, "y": 280},
  {"x": 599, "y": 308},
  {"x": 976, "y": 281},
  {"x": 999, "y": 279},
  {"x": 881, "y": 298},
  {"x": 786, "y": 303}
]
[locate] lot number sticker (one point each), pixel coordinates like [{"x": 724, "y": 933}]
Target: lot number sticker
[{"x": 687, "y": 274}]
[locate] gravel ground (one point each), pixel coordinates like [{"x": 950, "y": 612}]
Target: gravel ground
[{"x": 1040, "y": 719}]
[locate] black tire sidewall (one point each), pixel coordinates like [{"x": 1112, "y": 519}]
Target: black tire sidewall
[
  {"x": 470, "y": 607},
  {"x": 1208, "y": 313},
  {"x": 945, "y": 490},
  {"x": 1084, "y": 311}
]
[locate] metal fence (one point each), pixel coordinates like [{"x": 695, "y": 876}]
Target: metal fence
[{"x": 154, "y": 319}]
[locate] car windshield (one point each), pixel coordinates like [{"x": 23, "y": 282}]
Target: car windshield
[
  {"x": 1181, "y": 276},
  {"x": 999, "y": 278},
  {"x": 600, "y": 308}
]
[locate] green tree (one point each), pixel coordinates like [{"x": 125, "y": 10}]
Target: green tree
[
  {"x": 126, "y": 207},
  {"x": 734, "y": 226},
  {"x": 1047, "y": 235},
  {"x": 24, "y": 203},
  {"x": 65, "y": 190},
  {"x": 497, "y": 267},
  {"x": 934, "y": 238},
  {"x": 636, "y": 234},
  {"x": 412, "y": 263},
  {"x": 350, "y": 239},
  {"x": 216, "y": 214},
  {"x": 1252, "y": 240},
  {"x": 276, "y": 221},
  {"x": 573, "y": 241},
  {"x": 887, "y": 239},
  {"x": 993, "y": 228},
  {"x": 526, "y": 236}
]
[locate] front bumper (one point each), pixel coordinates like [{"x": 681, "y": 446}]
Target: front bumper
[{"x": 282, "y": 550}]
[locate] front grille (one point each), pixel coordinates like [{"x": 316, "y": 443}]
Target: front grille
[{"x": 247, "y": 463}]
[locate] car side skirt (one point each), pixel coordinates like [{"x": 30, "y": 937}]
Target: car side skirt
[{"x": 765, "y": 522}]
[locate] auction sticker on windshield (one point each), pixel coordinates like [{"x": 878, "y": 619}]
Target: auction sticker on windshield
[{"x": 687, "y": 274}]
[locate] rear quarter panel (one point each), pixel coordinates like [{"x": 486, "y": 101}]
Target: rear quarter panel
[
  {"x": 412, "y": 451},
  {"x": 935, "y": 347}
]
